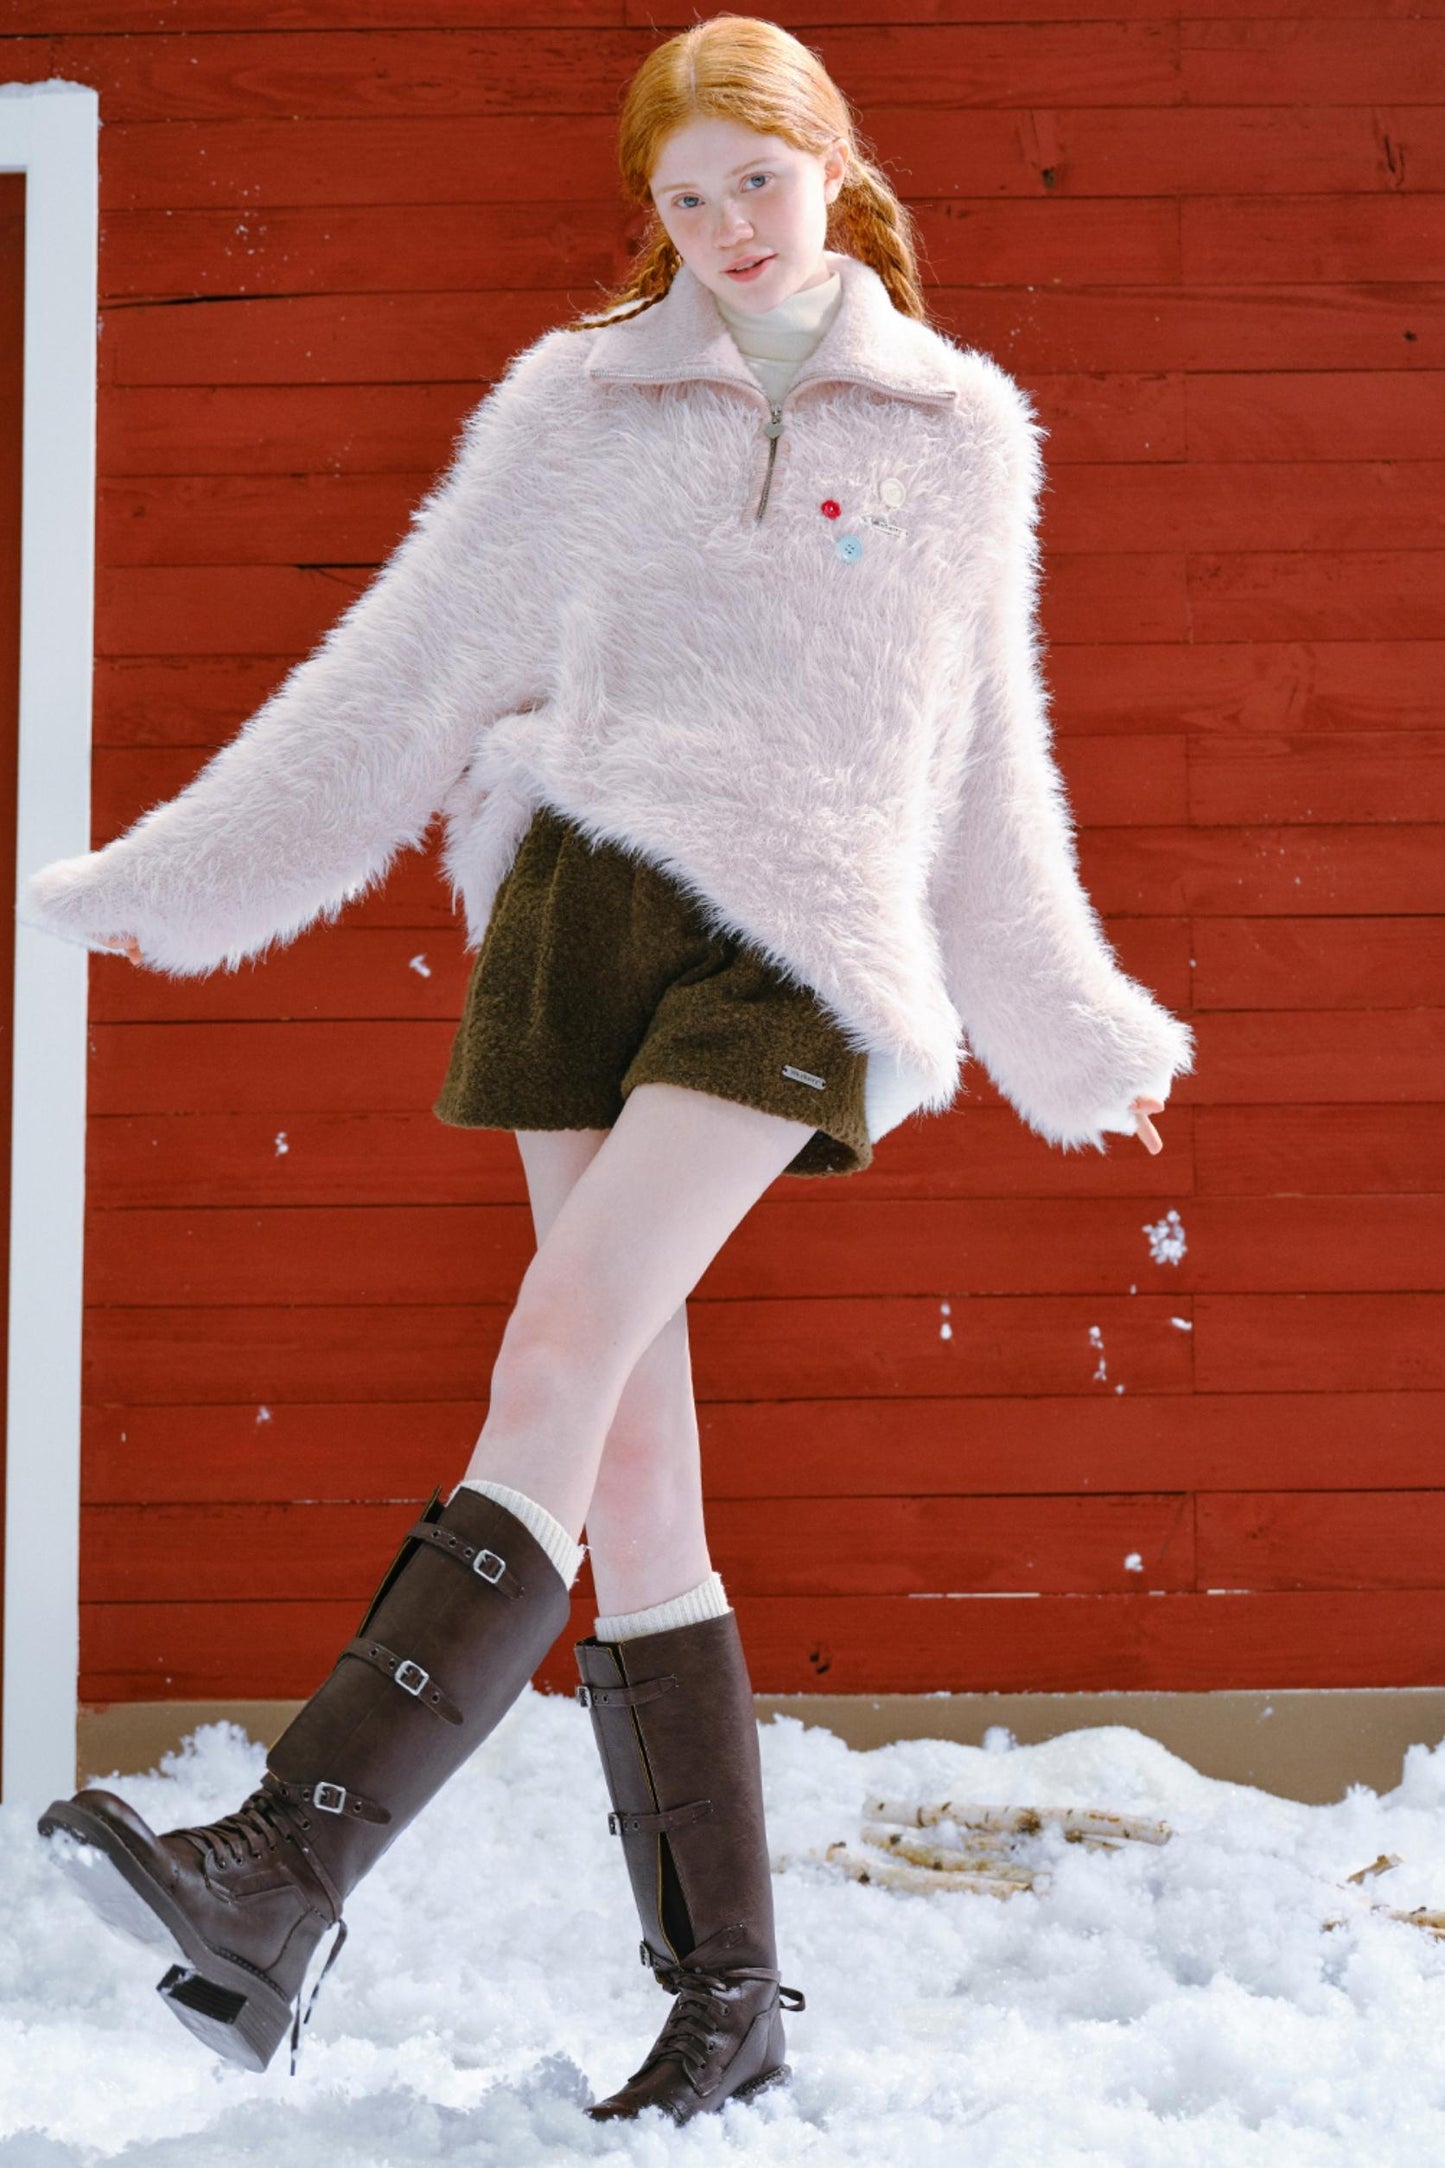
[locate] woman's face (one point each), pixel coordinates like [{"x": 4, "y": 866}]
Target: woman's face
[{"x": 728, "y": 197}]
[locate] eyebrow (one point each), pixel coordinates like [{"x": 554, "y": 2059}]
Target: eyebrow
[{"x": 662, "y": 187}]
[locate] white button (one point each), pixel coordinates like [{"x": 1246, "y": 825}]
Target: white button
[{"x": 892, "y": 491}]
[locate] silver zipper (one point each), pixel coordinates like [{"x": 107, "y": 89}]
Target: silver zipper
[{"x": 772, "y": 430}]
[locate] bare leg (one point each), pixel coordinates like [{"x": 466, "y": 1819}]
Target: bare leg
[
  {"x": 644, "y": 1526},
  {"x": 630, "y": 1239},
  {"x": 645, "y": 1529}
]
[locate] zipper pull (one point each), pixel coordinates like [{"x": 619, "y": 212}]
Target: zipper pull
[{"x": 772, "y": 430}]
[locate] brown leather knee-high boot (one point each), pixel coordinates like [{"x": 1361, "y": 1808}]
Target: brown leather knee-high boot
[
  {"x": 673, "y": 1717},
  {"x": 467, "y": 1611}
]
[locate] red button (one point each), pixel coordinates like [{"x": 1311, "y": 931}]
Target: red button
[{"x": 830, "y": 508}]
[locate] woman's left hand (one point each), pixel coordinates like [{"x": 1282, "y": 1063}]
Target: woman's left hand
[{"x": 1148, "y": 1135}]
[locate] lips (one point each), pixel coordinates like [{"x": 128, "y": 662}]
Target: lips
[{"x": 751, "y": 263}]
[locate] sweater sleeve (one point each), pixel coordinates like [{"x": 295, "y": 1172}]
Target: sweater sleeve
[
  {"x": 1066, "y": 1035},
  {"x": 347, "y": 761}
]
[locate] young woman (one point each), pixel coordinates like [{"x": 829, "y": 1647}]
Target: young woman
[{"x": 718, "y": 648}]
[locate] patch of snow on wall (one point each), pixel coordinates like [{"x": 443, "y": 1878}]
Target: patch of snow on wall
[{"x": 1166, "y": 1238}]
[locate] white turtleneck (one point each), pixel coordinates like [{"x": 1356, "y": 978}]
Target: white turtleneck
[{"x": 776, "y": 342}]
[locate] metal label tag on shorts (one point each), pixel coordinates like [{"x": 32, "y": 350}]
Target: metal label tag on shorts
[{"x": 805, "y": 1076}]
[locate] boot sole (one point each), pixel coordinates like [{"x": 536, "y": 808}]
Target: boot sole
[
  {"x": 232, "y": 2008},
  {"x": 769, "y": 2078},
  {"x": 600, "y": 2112}
]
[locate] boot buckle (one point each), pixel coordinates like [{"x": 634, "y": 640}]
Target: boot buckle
[
  {"x": 411, "y": 1678},
  {"x": 330, "y": 1798},
  {"x": 584, "y": 1695},
  {"x": 485, "y": 1561}
]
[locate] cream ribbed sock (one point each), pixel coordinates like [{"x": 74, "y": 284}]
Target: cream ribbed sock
[
  {"x": 565, "y": 1555},
  {"x": 707, "y": 1600}
]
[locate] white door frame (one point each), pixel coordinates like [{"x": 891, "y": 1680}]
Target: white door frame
[{"x": 50, "y": 132}]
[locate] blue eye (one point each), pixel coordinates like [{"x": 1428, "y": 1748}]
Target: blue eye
[{"x": 680, "y": 203}]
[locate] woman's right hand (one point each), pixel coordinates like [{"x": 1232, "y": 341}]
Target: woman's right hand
[
  {"x": 1144, "y": 1129},
  {"x": 124, "y": 944}
]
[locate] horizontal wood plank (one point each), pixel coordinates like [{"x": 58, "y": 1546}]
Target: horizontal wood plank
[
  {"x": 1310, "y": 414},
  {"x": 300, "y": 429},
  {"x": 777, "y": 1350},
  {"x": 799, "y": 1547},
  {"x": 1318, "y": 963},
  {"x": 469, "y": 336},
  {"x": 1344, "y": 237},
  {"x": 1173, "y": 1643},
  {"x": 195, "y": 1161},
  {"x": 957, "y": 1248},
  {"x": 1344, "y": 776},
  {"x": 356, "y": 970},
  {"x": 348, "y": 1451},
  {"x": 347, "y": 971},
  {"x": 1361, "y": 1539},
  {"x": 1319, "y": 1343},
  {"x": 1317, "y": 1057},
  {"x": 1251, "y": 1058},
  {"x": 1179, "y": 151},
  {"x": 1252, "y": 594},
  {"x": 254, "y": 430},
  {"x": 1287, "y": 871},
  {"x": 1347, "y": 1150}
]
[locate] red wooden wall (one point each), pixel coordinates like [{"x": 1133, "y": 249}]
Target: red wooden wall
[{"x": 1212, "y": 246}]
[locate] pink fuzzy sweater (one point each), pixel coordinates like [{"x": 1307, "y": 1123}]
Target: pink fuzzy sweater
[{"x": 797, "y": 666}]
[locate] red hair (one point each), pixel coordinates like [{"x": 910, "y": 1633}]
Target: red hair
[{"x": 734, "y": 67}]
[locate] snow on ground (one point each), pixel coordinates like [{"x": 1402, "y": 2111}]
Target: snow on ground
[{"x": 1180, "y": 2005}]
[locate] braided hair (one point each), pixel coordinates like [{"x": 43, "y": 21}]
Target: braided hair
[{"x": 735, "y": 67}]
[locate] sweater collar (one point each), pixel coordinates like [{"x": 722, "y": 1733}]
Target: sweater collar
[{"x": 684, "y": 338}]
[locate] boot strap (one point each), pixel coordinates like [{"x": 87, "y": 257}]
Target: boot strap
[
  {"x": 408, "y": 1675},
  {"x": 486, "y": 1565},
  {"x": 625, "y": 1697},
  {"x": 669, "y": 1818},
  {"x": 674, "y": 1975},
  {"x": 329, "y": 1798}
]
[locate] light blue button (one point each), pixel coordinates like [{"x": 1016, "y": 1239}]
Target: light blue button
[{"x": 849, "y": 548}]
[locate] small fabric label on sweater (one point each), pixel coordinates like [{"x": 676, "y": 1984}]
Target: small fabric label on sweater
[{"x": 805, "y": 1076}]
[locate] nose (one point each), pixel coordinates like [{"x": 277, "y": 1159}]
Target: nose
[{"x": 733, "y": 220}]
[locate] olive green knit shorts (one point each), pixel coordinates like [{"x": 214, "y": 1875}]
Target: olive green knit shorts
[{"x": 598, "y": 972}]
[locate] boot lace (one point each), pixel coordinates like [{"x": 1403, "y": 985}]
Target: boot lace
[
  {"x": 258, "y": 1824},
  {"x": 253, "y": 1830},
  {"x": 690, "y": 2029},
  {"x": 298, "y": 2020}
]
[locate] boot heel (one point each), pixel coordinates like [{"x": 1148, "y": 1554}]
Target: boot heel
[{"x": 245, "y": 2028}]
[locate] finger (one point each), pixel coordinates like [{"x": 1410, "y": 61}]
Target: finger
[{"x": 1147, "y": 1132}]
